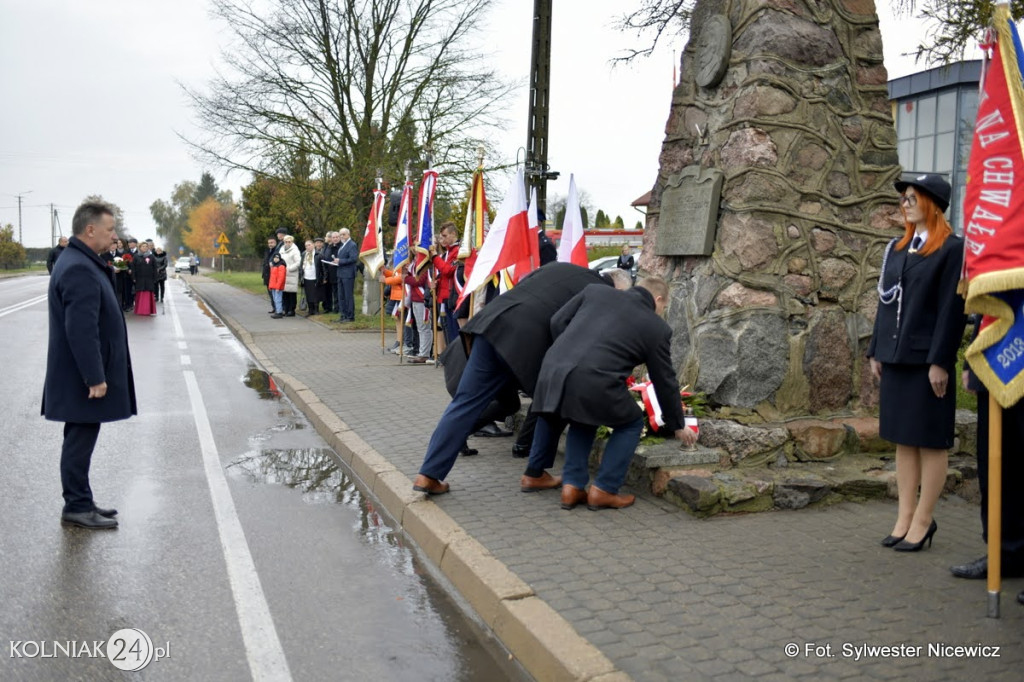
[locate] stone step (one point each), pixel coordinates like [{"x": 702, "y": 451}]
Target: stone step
[{"x": 711, "y": 489}]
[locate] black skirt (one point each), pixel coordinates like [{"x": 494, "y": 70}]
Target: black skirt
[{"x": 909, "y": 412}]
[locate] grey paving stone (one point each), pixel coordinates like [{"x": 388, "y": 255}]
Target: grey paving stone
[{"x": 708, "y": 588}]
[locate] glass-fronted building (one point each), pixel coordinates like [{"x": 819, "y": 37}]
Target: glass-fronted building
[{"x": 934, "y": 111}]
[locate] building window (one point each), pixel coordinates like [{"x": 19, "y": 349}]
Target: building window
[{"x": 934, "y": 133}]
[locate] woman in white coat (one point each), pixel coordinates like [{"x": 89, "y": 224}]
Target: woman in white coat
[{"x": 292, "y": 260}]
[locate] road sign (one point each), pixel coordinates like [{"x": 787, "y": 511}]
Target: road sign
[
  {"x": 223, "y": 238},
  {"x": 223, "y": 250}
]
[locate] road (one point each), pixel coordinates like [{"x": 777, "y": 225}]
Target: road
[{"x": 245, "y": 550}]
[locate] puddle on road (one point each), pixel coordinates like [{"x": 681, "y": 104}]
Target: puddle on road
[
  {"x": 217, "y": 322},
  {"x": 262, "y": 383},
  {"x": 317, "y": 474}
]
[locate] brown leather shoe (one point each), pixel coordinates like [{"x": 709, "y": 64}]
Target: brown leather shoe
[
  {"x": 599, "y": 499},
  {"x": 531, "y": 484},
  {"x": 425, "y": 484},
  {"x": 572, "y": 496}
]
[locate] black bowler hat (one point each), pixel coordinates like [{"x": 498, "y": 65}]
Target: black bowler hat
[{"x": 931, "y": 184}]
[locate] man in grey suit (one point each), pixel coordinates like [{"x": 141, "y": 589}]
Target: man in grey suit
[{"x": 88, "y": 369}]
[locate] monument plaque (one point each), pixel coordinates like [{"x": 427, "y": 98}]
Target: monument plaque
[{"x": 689, "y": 212}]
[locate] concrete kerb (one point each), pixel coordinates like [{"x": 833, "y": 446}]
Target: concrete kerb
[{"x": 536, "y": 635}]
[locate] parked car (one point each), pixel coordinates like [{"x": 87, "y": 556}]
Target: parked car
[
  {"x": 182, "y": 264},
  {"x": 599, "y": 264}
]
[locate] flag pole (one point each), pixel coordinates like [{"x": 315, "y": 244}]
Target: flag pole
[
  {"x": 995, "y": 504},
  {"x": 401, "y": 343},
  {"x": 472, "y": 198},
  {"x": 383, "y": 341}
]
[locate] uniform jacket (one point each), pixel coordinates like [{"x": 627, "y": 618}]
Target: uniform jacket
[
  {"x": 417, "y": 286},
  {"x": 348, "y": 258},
  {"x": 517, "y": 323},
  {"x": 932, "y": 320},
  {"x": 88, "y": 343},
  {"x": 446, "y": 264},
  {"x": 601, "y": 335},
  {"x": 292, "y": 260}
]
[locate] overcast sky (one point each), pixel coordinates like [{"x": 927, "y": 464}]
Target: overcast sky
[{"x": 91, "y": 102}]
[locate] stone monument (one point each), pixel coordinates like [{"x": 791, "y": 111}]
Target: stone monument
[{"x": 773, "y": 203}]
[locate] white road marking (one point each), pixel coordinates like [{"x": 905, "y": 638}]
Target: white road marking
[
  {"x": 186, "y": 360},
  {"x": 267, "y": 662},
  {"x": 21, "y": 306}
]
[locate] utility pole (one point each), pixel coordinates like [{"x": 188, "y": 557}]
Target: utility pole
[
  {"x": 537, "y": 172},
  {"x": 53, "y": 226},
  {"x": 20, "y": 240}
]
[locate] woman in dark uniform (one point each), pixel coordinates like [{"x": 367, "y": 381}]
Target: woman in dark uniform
[{"x": 918, "y": 328}]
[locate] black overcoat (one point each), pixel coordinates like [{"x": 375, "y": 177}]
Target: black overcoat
[
  {"x": 517, "y": 323},
  {"x": 161, "y": 266},
  {"x": 601, "y": 335},
  {"x": 931, "y": 314},
  {"x": 88, "y": 342},
  {"x": 144, "y": 272}
]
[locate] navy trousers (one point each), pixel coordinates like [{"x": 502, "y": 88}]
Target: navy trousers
[
  {"x": 347, "y": 298},
  {"x": 485, "y": 374},
  {"x": 75, "y": 458},
  {"x": 545, "y": 430}
]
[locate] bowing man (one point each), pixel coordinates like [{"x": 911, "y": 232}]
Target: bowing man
[{"x": 601, "y": 335}]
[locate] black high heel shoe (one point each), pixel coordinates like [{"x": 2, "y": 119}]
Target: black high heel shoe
[
  {"x": 905, "y": 546},
  {"x": 892, "y": 540}
]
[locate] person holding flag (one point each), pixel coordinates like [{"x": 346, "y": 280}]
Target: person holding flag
[
  {"x": 445, "y": 258},
  {"x": 918, "y": 328},
  {"x": 994, "y": 264}
]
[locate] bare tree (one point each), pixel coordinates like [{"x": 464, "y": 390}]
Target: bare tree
[{"x": 359, "y": 84}]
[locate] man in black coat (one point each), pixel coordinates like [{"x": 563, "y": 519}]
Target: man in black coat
[
  {"x": 507, "y": 341},
  {"x": 88, "y": 368},
  {"x": 327, "y": 256},
  {"x": 601, "y": 335},
  {"x": 55, "y": 252}
]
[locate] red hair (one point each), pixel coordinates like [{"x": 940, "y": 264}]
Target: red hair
[{"x": 938, "y": 227}]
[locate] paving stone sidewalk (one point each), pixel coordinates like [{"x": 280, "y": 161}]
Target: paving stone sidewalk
[{"x": 663, "y": 595}]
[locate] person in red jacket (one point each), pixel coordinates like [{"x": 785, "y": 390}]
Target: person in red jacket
[
  {"x": 446, "y": 261},
  {"x": 278, "y": 274}
]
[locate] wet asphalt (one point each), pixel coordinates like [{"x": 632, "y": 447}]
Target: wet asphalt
[{"x": 331, "y": 592}]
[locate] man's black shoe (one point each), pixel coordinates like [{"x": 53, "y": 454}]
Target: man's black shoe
[
  {"x": 492, "y": 430},
  {"x": 109, "y": 513},
  {"x": 978, "y": 569},
  {"x": 974, "y": 570},
  {"x": 467, "y": 451},
  {"x": 89, "y": 519},
  {"x": 1020, "y": 597},
  {"x": 520, "y": 452}
]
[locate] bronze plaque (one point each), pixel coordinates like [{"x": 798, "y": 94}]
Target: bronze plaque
[{"x": 689, "y": 212}]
